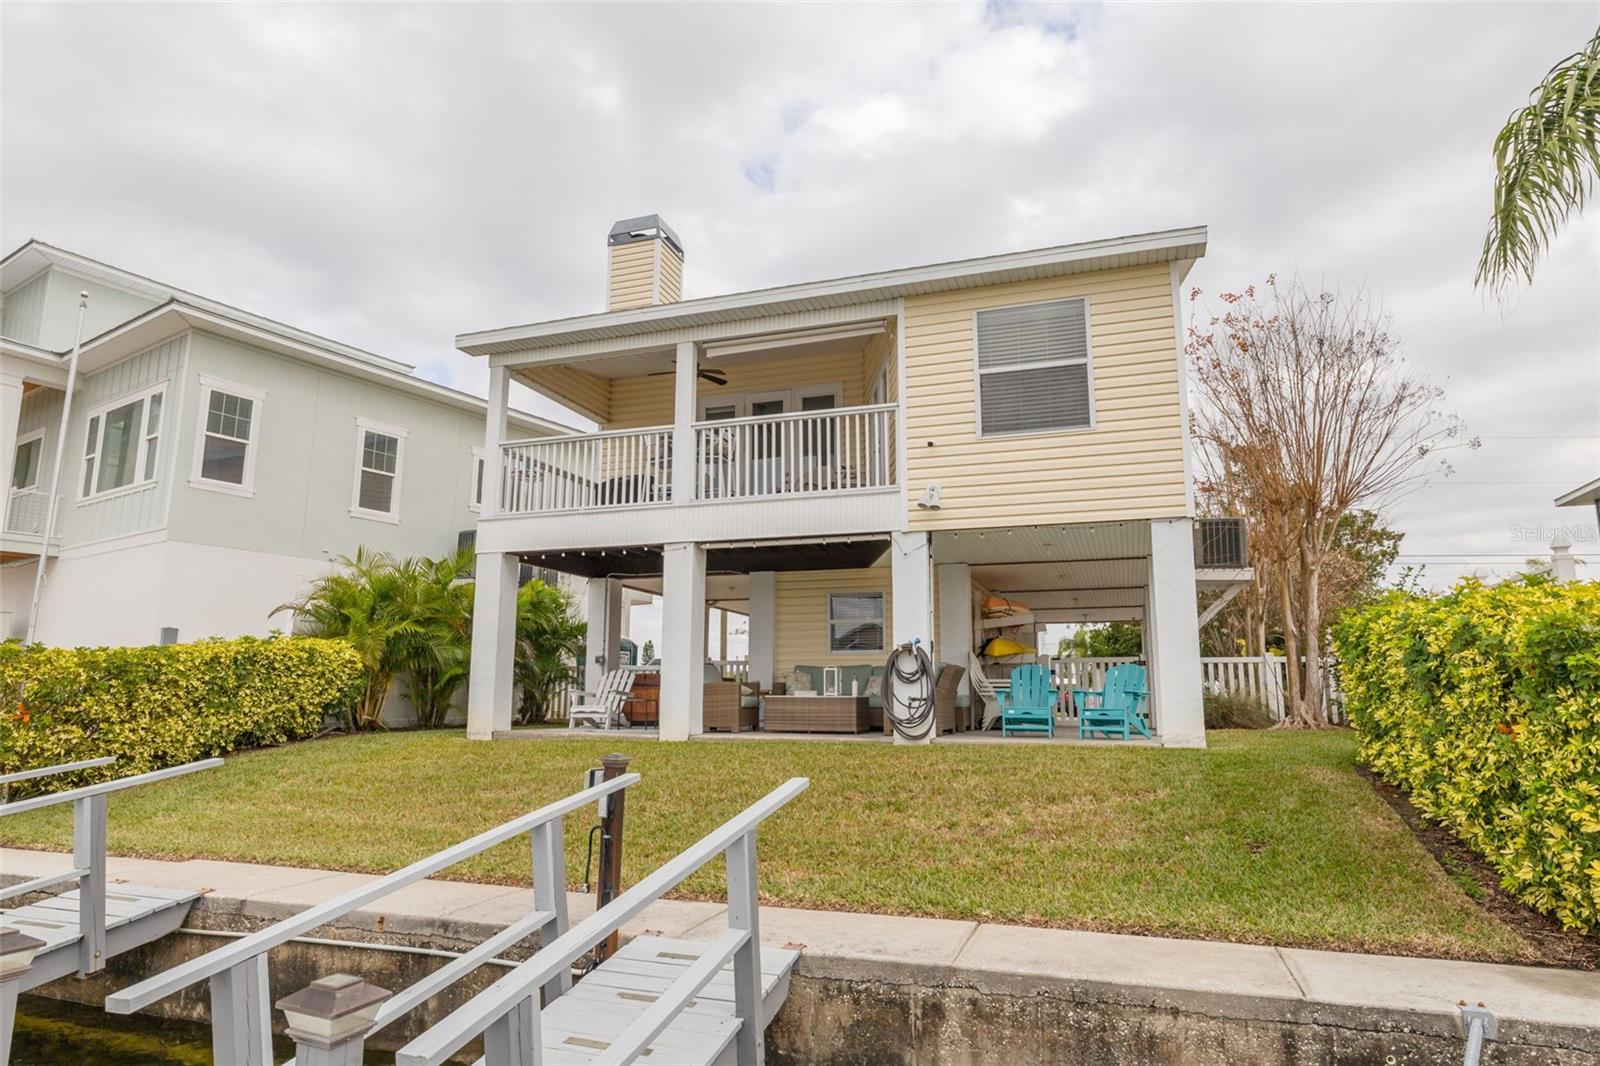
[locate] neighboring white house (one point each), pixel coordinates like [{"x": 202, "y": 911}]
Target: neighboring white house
[{"x": 216, "y": 460}]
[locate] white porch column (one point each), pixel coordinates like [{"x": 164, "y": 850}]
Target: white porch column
[
  {"x": 683, "y": 417},
  {"x": 683, "y": 640},
  {"x": 1173, "y": 636},
  {"x": 10, "y": 415},
  {"x": 955, "y": 618},
  {"x": 911, "y": 586},
  {"x": 494, "y": 638},
  {"x": 603, "y": 615},
  {"x": 494, "y": 434},
  {"x": 763, "y": 627}
]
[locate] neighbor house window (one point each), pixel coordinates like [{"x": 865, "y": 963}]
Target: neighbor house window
[
  {"x": 380, "y": 450},
  {"x": 475, "y": 493},
  {"x": 230, "y": 418},
  {"x": 121, "y": 443},
  {"x": 855, "y": 621},
  {"x": 1033, "y": 368},
  {"x": 25, "y": 471}
]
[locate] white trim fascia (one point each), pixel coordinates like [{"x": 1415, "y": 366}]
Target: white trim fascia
[
  {"x": 102, "y": 545},
  {"x": 1589, "y": 493},
  {"x": 1183, "y": 394},
  {"x": 160, "y": 324},
  {"x": 258, "y": 399},
  {"x": 988, "y": 270},
  {"x": 399, "y": 433},
  {"x": 39, "y": 365},
  {"x": 776, "y": 342}
]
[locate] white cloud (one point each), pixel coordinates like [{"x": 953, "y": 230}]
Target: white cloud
[{"x": 394, "y": 175}]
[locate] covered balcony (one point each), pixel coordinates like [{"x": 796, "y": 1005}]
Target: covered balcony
[{"x": 793, "y": 433}]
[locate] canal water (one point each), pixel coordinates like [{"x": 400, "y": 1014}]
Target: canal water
[{"x": 51, "y": 1033}]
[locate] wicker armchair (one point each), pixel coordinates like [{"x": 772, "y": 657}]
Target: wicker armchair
[
  {"x": 723, "y": 709},
  {"x": 944, "y": 701}
]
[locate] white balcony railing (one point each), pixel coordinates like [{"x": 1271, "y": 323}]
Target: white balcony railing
[
  {"x": 737, "y": 459},
  {"x": 784, "y": 455},
  {"x": 25, "y": 512},
  {"x": 624, "y": 468}
]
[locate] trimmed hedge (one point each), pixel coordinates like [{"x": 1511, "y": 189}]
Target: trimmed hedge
[
  {"x": 1484, "y": 704},
  {"x": 154, "y": 707}
]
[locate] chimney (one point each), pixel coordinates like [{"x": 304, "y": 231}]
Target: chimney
[{"x": 646, "y": 264}]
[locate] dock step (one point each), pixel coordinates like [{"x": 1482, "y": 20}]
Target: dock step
[
  {"x": 135, "y": 915},
  {"x": 584, "y": 1021}
]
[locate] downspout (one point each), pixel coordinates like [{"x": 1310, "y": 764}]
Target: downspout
[{"x": 55, "y": 476}]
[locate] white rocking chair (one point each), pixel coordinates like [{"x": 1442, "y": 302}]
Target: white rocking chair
[{"x": 603, "y": 709}]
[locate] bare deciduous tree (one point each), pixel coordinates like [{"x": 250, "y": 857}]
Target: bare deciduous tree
[{"x": 1305, "y": 412}]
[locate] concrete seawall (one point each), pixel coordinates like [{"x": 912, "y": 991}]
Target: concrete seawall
[{"x": 916, "y": 991}]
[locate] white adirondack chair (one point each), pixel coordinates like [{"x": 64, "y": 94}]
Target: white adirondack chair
[
  {"x": 985, "y": 690},
  {"x": 603, "y": 709}
]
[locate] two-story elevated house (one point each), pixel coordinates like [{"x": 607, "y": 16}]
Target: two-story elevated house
[
  {"x": 856, "y": 463},
  {"x": 215, "y": 460}
]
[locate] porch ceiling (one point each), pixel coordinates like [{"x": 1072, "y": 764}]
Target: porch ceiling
[{"x": 1054, "y": 543}]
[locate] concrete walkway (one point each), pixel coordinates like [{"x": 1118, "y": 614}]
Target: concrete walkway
[{"x": 1535, "y": 1006}]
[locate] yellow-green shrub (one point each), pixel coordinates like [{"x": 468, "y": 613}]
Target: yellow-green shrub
[
  {"x": 154, "y": 707},
  {"x": 1484, "y": 704}
]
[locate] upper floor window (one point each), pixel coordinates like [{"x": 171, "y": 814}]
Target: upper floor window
[
  {"x": 855, "y": 621},
  {"x": 225, "y": 454},
  {"x": 121, "y": 443},
  {"x": 29, "y": 456},
  {"x": 1033, "y": 368},
  {"x": 380, "y": 452}
]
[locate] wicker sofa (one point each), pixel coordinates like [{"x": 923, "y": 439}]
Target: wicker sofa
[{"x": 856, "y": 678}]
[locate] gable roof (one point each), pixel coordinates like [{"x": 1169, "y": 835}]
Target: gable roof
[
  {"x": 177, "y": 310},
  {"x": 1137, "y": 250}
]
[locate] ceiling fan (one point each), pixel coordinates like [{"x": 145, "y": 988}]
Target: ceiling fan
[{"x": 712, "y": 374}]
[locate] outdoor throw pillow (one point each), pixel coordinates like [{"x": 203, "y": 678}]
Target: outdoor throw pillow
[
  {"x": 874, "y": 687},
  {"x": 797, "y": 681}
]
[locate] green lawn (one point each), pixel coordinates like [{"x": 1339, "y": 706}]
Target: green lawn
[{"x": 1265, "y": 837}]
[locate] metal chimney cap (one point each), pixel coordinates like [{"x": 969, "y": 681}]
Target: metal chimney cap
[{"x": 643, "y": 228}]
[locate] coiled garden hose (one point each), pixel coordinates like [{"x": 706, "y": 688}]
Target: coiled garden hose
[{"x": 909, "y": 669}]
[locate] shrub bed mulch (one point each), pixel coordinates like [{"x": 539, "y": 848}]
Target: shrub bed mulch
[{"x": 1555, "y": 945}]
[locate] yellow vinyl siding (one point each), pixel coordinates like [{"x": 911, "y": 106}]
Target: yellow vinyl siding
[
  {"x": 801, "y": 636},
  {"x": 588, "y": 394},
  {"x": 1129, "y": 466},
  {"x": 633, "y": 272},
  {"x": 647, "y": 401},
  {"x": 671, "y": 274}
]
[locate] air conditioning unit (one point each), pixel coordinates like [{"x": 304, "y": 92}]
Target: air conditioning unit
[{"x": 1221, "y": 543}]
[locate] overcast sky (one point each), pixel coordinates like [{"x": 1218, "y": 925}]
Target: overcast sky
[{"x": 390, "y": 176}]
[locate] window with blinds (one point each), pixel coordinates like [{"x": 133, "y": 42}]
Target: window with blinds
[
  {"x": 380, "y": 458},
  {"x": 1033, "y": 368}
]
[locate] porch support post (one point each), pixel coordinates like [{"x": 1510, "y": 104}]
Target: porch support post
[
  {"x": 10, "y": 415},
  {"x": 1173, "y": 638},
  {"x": 683, "y": 416},
  {"x": 494, "y": 637},
  {"x": 494, "y": 434},
  {"x": 955, "y": 619},
  {"x": 683, "y": 640},
  {"x": 763, "y": 627},
  {"x": 603, "y": 613},
  {"x": 911, "y": 589}
]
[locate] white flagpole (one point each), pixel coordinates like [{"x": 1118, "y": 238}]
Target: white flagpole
[{"x": 55, "y": 476}]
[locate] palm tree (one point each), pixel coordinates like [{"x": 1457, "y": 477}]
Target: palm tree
[
  {"x": 1546, "y": 160},
  {"x": 549, "y": 639},
  {"x": 436, "y": 654}
]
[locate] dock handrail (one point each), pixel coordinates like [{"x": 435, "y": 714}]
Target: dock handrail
[
  {"x": 88, "y": 845},
  {"x": 240, "y": 1018},
  {"x": 507, "y": 1012},
  {"x": 62, "y": 768}
]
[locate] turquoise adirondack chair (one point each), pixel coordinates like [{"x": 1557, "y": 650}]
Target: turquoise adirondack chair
[
  {"x": 1118, "y": 708},
  {"x": 1030, "y": 706}
]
